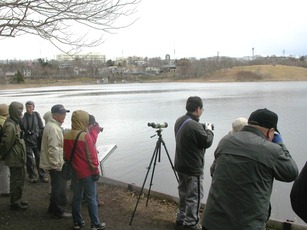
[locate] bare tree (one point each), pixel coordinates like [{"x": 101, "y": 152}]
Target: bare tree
[{"x": 71, "y": 23}]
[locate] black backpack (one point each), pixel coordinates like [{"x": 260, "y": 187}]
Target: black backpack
[
  {"x": 298, "y": 195},
  {"x": 1, "y": 133}
]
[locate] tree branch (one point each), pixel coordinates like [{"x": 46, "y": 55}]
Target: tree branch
[{"x": 65, "y": 22}]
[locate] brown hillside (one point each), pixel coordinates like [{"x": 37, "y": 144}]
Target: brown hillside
[{"x": 260, "y": 73}]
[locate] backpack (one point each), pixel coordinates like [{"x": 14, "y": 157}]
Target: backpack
[
  {"x": 1, "y": 133},
  {"x": 298, "y": 195},
  {"x": 3, "y": 154}
]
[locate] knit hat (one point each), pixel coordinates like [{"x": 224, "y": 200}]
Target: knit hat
[
  {"x": 4, "y": 110},
  {"x": 193, "y": 103},
  {"x": 264, "y": 118}
]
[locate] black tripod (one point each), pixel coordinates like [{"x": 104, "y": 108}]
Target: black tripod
[{"x": 156, "y": 155}]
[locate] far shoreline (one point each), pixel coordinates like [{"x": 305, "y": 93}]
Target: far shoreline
[
  {"x": 255, "y": 73},
  {"x": 78, "y": 83}
]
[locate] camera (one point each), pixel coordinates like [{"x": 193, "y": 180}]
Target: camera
[
  {"x": 157, "y": 125},
  {"x": 100, "y": 128},
  {"x": 208, "y": 125}
]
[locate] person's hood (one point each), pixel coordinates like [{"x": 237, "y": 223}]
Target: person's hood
[
  {"x": 47, "y": 116},
  {"x": 15, "y": 111},
  {"x": 79, "y": 120}
]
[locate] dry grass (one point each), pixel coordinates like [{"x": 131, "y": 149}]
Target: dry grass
[{"x": 260, "y": 73}]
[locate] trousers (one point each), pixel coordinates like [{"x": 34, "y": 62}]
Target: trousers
[
  {"x": 4, "y": 178},
  {"x": 190, "y": 191},
  {"x": 58, "y": 198},
  {"x": 17, "y": 181}
]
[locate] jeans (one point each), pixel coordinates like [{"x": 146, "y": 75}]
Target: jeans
[
  {"x": 58, "y": 199},
  {"x": 89, "y": 187}
]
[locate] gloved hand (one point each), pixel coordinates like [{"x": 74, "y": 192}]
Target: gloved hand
[
  {"x": 277, "y": 138},
  {"x": 96, "y": 177},
  {"x": 209, "y": 126}
]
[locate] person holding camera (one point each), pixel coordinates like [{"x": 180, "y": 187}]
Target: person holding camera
[
  {"x": 32, "y": 126},
  {"x": 86, "y": 172},
  {"x": 94, "y": 129},
  {"x": 246, "y": 164},
  {"x": 192, "y": 139}
]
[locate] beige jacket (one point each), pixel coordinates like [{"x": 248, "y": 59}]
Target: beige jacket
[{"x": 52, "y": 146}]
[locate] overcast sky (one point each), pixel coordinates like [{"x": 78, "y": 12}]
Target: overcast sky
[{"x": 194, "y": 28}]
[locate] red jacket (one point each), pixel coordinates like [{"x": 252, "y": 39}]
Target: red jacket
[{"x": 85, "y": 161}]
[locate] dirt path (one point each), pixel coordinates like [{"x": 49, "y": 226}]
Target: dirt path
[{"x": 116, "y": 213}]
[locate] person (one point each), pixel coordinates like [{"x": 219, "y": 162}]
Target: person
[
  {"x": 192, "y": 139},
  {"x": 4, "y": 170},
  {"x": 52, "y": 160},
  {"x": 247, "y": 163},
  {"x": 86, "y": 172},
  {"x": 238, "y": 124},
  {"x": 94, "y": 129},
  {"x": 47, "y": 117},
  {"x": 13, "y": 150},
  {"x": 33, "y": 126}
]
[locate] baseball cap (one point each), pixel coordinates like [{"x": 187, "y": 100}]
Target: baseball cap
[
  {"x": 264, "y": 118},
  {"x": 59, "y": 109},
  {"x": 92, "y": 119}
]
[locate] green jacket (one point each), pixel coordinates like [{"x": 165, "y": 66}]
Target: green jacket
[
  {"x": 13, "y": 146},
  {"x": 242, "y": 180}
]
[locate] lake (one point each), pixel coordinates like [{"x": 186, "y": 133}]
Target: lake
[{"x": 124, "y": 110}]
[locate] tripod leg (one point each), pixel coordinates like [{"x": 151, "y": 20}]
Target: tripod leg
[
  {"x": 158, "y": 152},
  {"x": 154, "y": 156},
  {"x": 170, "y": 160}
]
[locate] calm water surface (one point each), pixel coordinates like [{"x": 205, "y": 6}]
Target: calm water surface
[{"x": 125, "y": 109}]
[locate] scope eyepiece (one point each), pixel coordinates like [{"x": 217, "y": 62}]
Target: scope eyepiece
[{"x": 157, "y": 125}]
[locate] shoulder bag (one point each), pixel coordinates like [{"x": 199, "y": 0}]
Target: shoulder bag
[{"x": 67, "y": 169}]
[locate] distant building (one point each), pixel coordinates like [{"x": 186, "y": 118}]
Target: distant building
[
  {"x": 86, "y": 57},
  {"x": 153, "y": 70}
]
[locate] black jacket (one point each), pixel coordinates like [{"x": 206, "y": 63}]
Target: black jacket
[
  {"x": 33, "y": 126},
  {"x": 191, "y": 141}
]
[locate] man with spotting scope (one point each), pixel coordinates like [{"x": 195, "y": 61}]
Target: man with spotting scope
[{"x": 192, "y": 139}]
